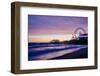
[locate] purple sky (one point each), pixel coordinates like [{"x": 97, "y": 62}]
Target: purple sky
[{"x": 42, "y": 24}]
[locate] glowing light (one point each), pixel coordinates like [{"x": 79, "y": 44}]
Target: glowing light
[{"x": 48, "y": 38}]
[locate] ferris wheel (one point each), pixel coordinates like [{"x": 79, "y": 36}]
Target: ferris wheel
[{"x": 77, "y": 32}]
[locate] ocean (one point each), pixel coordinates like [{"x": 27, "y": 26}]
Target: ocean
[{"x": 51, "y": 51}]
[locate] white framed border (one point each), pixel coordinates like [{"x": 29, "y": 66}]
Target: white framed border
[{"x": 25, "y": 64}]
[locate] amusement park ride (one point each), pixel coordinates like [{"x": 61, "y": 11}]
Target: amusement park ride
[{"x": 79, "y": 31}]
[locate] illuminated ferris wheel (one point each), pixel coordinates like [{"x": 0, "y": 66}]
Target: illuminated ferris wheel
[{"x": 77, "y": 32}]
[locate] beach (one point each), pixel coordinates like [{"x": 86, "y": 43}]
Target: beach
[{"x": 49, "y": 51}]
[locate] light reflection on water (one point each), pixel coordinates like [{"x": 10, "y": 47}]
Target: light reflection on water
[
  {"x": 59, "y": 53},
  {"x": 50, "y": 51},
  {"x": 56, "y": 47}
]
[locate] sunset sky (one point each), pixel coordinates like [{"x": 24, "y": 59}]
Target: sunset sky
[{"x": 42, "y": 28}]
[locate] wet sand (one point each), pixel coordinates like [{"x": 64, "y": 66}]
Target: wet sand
[{"x": 83, "y": 53}]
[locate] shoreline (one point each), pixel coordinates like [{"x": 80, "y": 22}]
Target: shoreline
[{"x": 83, "y": 53}]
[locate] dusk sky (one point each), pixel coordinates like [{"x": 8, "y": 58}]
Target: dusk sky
[{"x": 42, "y": 28}]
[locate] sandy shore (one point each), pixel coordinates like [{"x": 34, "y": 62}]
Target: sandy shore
[{"x": 83, "y": 53}]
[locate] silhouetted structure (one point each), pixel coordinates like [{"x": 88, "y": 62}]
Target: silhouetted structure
[
  {"x": 82, "y": 39},
  {"x": 55, "y": 41}
]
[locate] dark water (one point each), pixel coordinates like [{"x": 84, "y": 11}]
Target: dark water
[{"x": 48, "y": 51}]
